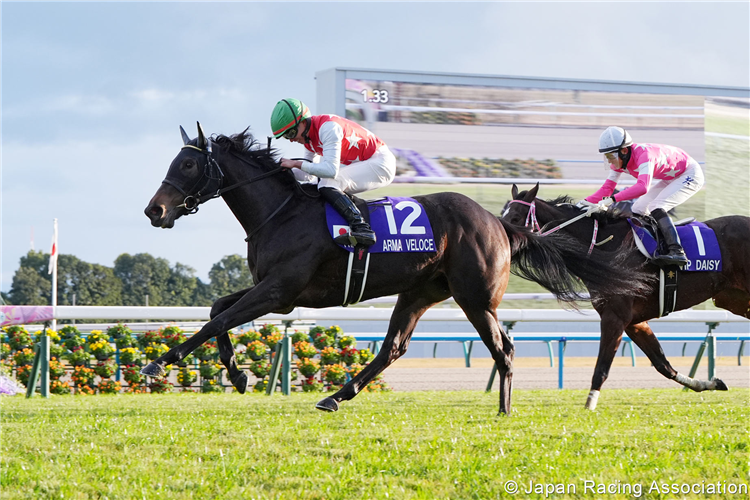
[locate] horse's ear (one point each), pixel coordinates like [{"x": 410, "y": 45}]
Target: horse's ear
[
  {"x": 514, "y": 191},
  {"x": 532, "y": 192},
  {"x": 202, "y": 142},
  {"x": 185, "y": 137}
]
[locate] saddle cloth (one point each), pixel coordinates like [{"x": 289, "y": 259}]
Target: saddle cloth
[
  {"x": 697, "y": 239},
  {"x": 401, "y": 225}
]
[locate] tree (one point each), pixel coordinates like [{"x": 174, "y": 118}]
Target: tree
[
  {"x": 142, "y": 274},
  {"x": 92, "y": 284},
  {"x": 229, "y": 275}
]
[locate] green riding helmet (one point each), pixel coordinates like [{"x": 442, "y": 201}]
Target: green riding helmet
[{"x": 287, "y": 115}]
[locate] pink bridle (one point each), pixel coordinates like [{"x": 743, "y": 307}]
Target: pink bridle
[{"x": 532, "y": 221}]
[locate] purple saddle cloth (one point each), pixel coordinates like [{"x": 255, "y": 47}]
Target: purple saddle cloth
[
  {"x": 401, "y": 225},
  {"x": 698, "y": 240}
]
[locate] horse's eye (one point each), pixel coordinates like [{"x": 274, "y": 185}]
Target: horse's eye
[{"x": 190, "y": 164}]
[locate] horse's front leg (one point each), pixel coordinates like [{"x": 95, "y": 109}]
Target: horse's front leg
[
  {"x": 238, "y": 377},
  {"x": 269, "y": 295},
  {"x": 409, "y": 308},
  {"x": 612, "y": 327}
]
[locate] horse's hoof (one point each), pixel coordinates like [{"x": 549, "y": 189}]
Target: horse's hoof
[
  {"x": 152, "y": 370},
  {"x": 327, "y": 404},
  {"x": 241, "y": 382},
  {"x": 720, "y": 385}
]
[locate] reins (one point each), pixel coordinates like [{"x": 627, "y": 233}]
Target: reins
[{"x": 531, "y": 220}]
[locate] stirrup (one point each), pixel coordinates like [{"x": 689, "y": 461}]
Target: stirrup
[{"x": 678, "y": 259}]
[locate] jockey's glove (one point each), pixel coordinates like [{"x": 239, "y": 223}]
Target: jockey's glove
[{"x": 605, "y": 202}]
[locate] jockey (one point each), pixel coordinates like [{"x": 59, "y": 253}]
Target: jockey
[
  {"x": 666, "y": 176},
  {"x": 351, "y": 160}
]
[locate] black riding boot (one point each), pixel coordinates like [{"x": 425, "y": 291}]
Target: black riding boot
[
  {"x": 360, "y": 230},
  {"x": 676, "y": 254}
]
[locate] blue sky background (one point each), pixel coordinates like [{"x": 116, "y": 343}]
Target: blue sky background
[{"x": 93, "y": 93}]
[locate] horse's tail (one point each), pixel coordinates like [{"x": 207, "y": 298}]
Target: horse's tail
[{"x": 560, "y": 263}]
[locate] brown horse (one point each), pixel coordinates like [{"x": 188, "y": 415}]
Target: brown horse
[
  {"x": 729, "y": 288},
  {"x": 295, "y": 262}
]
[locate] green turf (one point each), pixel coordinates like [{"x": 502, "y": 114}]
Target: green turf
[{"x": 389, "y": 445}]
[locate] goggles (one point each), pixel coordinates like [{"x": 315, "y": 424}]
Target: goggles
[{"x": 290, "y": 134}]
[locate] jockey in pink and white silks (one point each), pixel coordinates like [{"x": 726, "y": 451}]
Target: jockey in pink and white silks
[
  {"x": 665, "y": 177},
  {"x": 346, "y": 157}
]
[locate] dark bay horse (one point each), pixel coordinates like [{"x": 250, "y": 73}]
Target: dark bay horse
[
  {"x": 294, "y": 261},
  {"x": 729, "y": 288}
]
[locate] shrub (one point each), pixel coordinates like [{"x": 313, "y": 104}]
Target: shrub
[
  {"x": 186, "y": 377},
  {"x": 69, "y": 331},
  {"x": 4, "y": 351},
  {"x": 267, "y": 330},
  {"x": 132, "y": 375},
  {"x": 24, "y": 357},
  {"x": 18, "y": 338},
  {"x": 97, "y": 336},
  {"x": 334, "y": 331},
  {"x": 125, "y": 341},
  {"x": 173, "y": 336},
  {"x": 260, "y": 368},
  {"x": 350, "y": 356},
  {"x": 101, "y": 349},
  {"x": 209, "y": 369},
  {"x": 153, "y": 351},
  {"x": 311, "y": 385},
  {"x": 109, "y": 386},
  {"x": 85, "y": 390},
  {"x": 82, "y": 376},
  {"x": 22, "y": 374},
  {"x": 247, "y": 337},
  {"x": 149, "y": 337},
  {"x": 56, "y": 351},
  {"x": 273, "y": 339},
  {"x": 56, "y": 369},
  {"x": 329, "y": 356},
  {"x": 47, "y": 332},
  {"x": 59, "y": 388},
  {"x": 256, "y": 350},
  {"x": 305, "y": 350},
  {"x": 130, "y": 356},
  {"x": 160, "y": 385},
  {"x": 73, "y": 342},
  {"x": 106, "y": 368},
  {"x": 78, "y": 357},
  {"x": 335, "y": 374},
  {"x": 298, "y": 336},
  {"x": 321, "y": 340},
  {"x": 187, "y": 360},
  {"x": 118, "y": 331},
  {"x": 308, "y": 367},
  {"x": 207, "y": 351},
  {"x": 211, "y": 386},
  {"x": 365, "y": 356},
  {"x": 347, "y": 341}
]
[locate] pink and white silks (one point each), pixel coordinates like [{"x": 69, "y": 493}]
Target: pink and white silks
[{"x": 665, "y": 177}]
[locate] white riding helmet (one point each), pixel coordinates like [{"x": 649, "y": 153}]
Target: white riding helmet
[{"x": 613, "y": 139}]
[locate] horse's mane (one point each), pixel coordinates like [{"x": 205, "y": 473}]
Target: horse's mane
[{"x": 246, "y": 146}]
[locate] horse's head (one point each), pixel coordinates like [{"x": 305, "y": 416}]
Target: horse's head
[
  {"x": 517, "y": 209},
  {"x": 193, "y": 177}
]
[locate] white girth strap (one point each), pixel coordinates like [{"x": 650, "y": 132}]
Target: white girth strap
[{"x": 349, "y": 278}]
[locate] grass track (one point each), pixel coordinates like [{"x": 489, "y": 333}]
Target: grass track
[{"x": 396, "y": 445}]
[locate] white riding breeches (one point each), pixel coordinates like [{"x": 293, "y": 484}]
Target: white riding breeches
[
  {"x": 667, "y": 194},
  {"x": 375, "y": 172}
]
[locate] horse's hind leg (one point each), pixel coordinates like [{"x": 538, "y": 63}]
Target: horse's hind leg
[
  {"x": 500, "y": 346},
  {"x": 644, "y": 338},
  {"x": 409, "y": 308}
]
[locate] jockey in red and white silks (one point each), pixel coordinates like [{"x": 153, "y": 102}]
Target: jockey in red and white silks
[
  {"x": 666, "y": 176},
  {"x": 346, "y": 157},
  {"x": 352, "y": 158}
]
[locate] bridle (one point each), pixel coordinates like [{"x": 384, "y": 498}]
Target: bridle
[
  {"x": 202, "y": 191},
  {"x": 532, "y": 221}
]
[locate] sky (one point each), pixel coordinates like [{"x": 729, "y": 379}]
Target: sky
[{"x": 93, "y": 93}]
